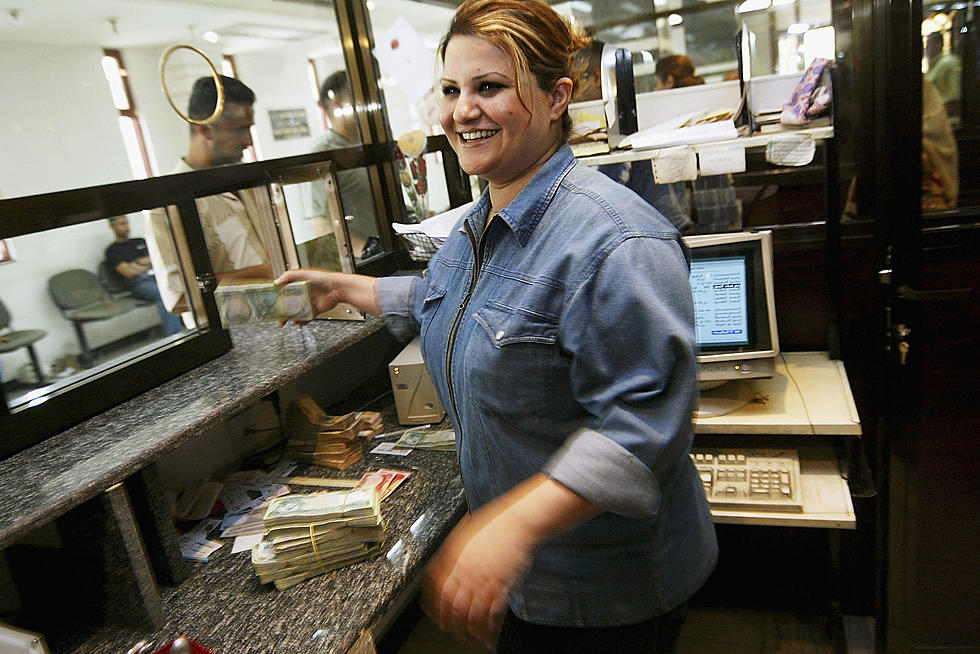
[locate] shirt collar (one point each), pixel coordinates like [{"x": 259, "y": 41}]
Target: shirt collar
[{"x": 525, "y": 211}]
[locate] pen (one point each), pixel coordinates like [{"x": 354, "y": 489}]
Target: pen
[{"x": 399, "y": 432}]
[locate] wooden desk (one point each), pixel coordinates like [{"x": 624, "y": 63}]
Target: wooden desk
[{"x": 807, "y": 397}]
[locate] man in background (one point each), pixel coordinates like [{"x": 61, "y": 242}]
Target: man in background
[
  {"x": 354, "y": 185},
  {"x": 238, "y": 244},
  {"x": 944, "y": 72},
  {"x": 669, "y": 199},
  {"x": 128, "y": 260}
]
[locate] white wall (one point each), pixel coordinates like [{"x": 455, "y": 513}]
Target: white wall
[
  {"x": 57, "y": 113},
  {"x": 61, "y": 132}
]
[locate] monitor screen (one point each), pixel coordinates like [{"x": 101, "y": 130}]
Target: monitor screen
[{"x": 734, "y": 310}]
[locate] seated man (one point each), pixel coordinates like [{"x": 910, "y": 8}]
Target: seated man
[{"x": 129, "y": 261}]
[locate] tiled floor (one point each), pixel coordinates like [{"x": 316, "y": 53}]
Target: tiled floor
[{"x": 707, "y": 631}]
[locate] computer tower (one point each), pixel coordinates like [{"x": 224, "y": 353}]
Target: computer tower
[{"x": 416, "y": 400}]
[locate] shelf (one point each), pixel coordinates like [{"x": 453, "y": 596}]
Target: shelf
[
  {"x": 754, "y": 141},
  {"x": 826, "y": 498},
  {"x": 808, "y": 395}
]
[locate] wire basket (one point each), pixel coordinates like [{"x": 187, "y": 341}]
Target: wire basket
[{"x": 419, "y": 245}]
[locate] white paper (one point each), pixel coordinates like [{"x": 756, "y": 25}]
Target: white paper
[
  {"x": 389, "y": 448},
  {"x": 790, "y": 150},
  {"x": 666, "y": 134},
  {"x": 235, "y": 499},
  {"x": 722, "y": 159},
  {"x": 405, "y": 57},
  {"x": 437, "y": 227},
  {"x": 674, "y": 165},
  {"x": 243, "y": 543}
]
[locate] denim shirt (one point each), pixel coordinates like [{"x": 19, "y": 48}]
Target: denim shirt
[{"x": 568, "y": 349}]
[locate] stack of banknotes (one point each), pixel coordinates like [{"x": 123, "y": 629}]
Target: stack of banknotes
[
  {"x": 427, "y": 439},
  {"x": 310, "y": 534},
  {"x": 330, "y": 441},
  {"x": 256, "y": 302}
]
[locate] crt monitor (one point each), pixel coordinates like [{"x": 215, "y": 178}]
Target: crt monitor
[{"x": 735, "y": 315}]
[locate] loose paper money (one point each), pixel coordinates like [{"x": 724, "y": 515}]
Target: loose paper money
[
  {"x": 424, "y": 439},
  {"x": 260, "y": 302}
]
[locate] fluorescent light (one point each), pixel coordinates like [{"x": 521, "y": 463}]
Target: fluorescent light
[
  {"x": 753, "y": 5},
  {"x": 798, "y": 28},
  {"x": 113, "y": 75}
]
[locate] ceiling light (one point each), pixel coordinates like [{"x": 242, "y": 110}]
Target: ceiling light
[
  {"x": 753, "y": 5},
  {"x": 211, "y": 36},
  {"x": 797, "y": 28},
  {"x": 675, "y": 19}
]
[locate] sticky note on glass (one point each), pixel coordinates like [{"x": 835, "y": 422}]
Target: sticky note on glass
[
  {"x": 790, "y": 150},
  {"x": 675, "y": 165},
  {"x": 721, "y": 160}
]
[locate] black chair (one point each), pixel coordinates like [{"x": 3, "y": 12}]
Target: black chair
[
  {"x": 11, "y": 340},
  {"x": 82, "y": 298},
  {"x": 111, "y": 281}
]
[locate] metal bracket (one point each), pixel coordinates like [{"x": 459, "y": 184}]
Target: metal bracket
[{"x": 207, "y": 282}]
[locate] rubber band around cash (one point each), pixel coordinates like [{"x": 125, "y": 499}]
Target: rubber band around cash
[
  {"x": 219, "y": 106},
  {"x": 316, "y": 552}
]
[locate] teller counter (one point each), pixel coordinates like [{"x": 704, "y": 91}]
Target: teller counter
[{"x": 116, "y": 576}]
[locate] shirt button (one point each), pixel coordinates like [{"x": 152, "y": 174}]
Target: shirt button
[{"x": 500, "y": 334}]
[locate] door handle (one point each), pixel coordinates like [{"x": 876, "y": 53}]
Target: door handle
[{"x": 905, "y": 292}]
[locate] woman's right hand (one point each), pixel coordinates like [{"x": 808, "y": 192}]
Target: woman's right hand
[{"x": 330, "y": 288}]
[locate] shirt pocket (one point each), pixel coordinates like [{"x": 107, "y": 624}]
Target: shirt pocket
[
  {"x": 507, "y": 325},
  {"x": 514, "y": 363}
]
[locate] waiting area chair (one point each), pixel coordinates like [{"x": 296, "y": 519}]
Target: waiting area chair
[
  {"x": 83, "y": 299},
  {"x": 14, "y": 339}
]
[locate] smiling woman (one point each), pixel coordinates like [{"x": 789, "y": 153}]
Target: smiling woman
[{"x": 589, "y": 527}]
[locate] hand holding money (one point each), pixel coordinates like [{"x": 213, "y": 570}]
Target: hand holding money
[
  {"x": 259, "y": 302},
  {"x": 328, "y": 289}
]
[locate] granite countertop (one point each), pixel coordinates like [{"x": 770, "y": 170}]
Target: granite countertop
[
  {"x": 59, "y": 473},
  {"x": 223, "y": 606}
]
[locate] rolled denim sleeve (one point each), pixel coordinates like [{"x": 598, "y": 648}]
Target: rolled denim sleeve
[
  {"x": 629, "y": 328},
  {"x": 399, "y": 299}
]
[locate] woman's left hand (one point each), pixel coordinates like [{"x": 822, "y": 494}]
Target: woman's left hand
[{"x": 469, "y": 578}]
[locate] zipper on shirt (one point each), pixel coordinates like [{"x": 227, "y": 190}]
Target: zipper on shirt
[{"x": 477, "y": 264}]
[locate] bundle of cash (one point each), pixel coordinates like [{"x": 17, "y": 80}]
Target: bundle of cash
[
  {"x": 257, "y": 302},
  {"x": 369, "y": 423},
  {"x": 314, "y": 533},
  {"x": 425, "y": 439},
  {"x": 315, "y": 437}
]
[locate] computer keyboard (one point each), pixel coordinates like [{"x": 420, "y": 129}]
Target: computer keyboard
[{"x": 750, "y": 479}]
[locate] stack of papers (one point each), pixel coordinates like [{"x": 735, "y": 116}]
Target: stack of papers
[{"x": 666, "y": 134}]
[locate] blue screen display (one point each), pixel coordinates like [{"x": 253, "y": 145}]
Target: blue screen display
[{"x": 720, "y": 291}]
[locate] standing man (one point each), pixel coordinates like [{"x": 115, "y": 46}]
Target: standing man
[
  {"x": 354, "y": 185},
  {"x": 944, "y": 71},
  {"x": 232, "y": 231},
  {"x": 129, "y": 261}
]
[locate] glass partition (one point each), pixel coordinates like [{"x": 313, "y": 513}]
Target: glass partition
[{"x": 97, "y": 305}]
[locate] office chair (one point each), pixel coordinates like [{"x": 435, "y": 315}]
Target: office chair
[
  {"x": 82, "y": 298},
  {"x": 11, "y": 340}
]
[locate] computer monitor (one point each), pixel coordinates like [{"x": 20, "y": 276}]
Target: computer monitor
[{"x": 735, "y": 315}]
